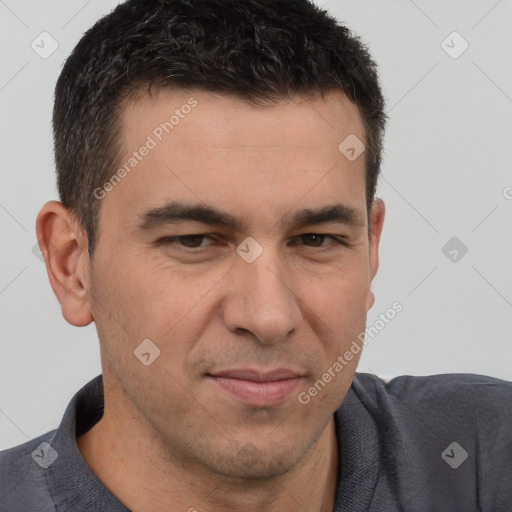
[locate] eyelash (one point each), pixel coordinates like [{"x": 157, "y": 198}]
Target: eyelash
[{"x": 171, "y": 240}]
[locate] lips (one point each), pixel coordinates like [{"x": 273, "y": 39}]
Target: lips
[
  {"x": 257, "y": 388},
  {"x": 259, "y": 376}
]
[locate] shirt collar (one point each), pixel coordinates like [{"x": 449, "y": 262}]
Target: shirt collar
[
  {"x": 80, "y": 490},
  {"x": 77, "y": 487}
]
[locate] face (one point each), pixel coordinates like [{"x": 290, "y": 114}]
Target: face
[{"x": 208, "y": 247}]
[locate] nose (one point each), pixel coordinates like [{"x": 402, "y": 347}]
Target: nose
[{"x": 261, "y": 300}]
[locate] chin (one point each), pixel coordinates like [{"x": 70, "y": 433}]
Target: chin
[{"x": 253, "y": 463}]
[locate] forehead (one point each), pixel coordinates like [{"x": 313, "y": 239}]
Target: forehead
[
  {"x": 221, "y": 151},
  {"x": 220, "y": 121}
]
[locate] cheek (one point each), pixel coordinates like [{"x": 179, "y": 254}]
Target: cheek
[
  {"x": 340, "y": 301},
  {"x": 149, "y": 295},
  {"x": 339, "y": 320},
  {"x": 326, "y": 391},
  {"x": 173, "y": 309},
  {"x": 178, "y": 301},
  {"x": 125, "y": 309}
]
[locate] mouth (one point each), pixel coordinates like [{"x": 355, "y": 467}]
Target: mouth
[{"x": 257, "y": 388}]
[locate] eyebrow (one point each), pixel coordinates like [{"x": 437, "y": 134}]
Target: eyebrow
[{"x": 177, "y": 211}]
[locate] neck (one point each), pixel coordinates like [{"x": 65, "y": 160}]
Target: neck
[{"x": 145, "y": 477}]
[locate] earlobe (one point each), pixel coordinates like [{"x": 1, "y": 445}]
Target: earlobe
[
  {"x": 64, "y": 248},
  {"x": 370, "y": 300}
]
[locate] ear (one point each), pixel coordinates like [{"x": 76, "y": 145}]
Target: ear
[
  {"x": 377, "y": 214},
  {"x": 64, "y": 247}
]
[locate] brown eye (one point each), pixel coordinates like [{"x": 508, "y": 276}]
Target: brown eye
[
  {"x": 185, "y": 241},
  {"x": 191, "y": 241},
  {"x": 315, "y": 239}
]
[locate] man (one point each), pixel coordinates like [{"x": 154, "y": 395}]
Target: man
[{"x": 217, "y": 165}]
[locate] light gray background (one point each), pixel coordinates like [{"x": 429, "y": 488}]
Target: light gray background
[{"x": 447, "y": 166}]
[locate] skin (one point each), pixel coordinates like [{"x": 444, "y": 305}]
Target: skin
[{"x": 171, "y": 438}]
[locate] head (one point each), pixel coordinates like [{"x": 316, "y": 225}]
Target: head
[{"x": 221, "y": 119}]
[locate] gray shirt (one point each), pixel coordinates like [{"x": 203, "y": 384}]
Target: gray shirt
[{"x": 415, "y": 444}]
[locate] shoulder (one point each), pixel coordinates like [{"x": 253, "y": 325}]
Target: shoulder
[
  {"x": 475, "y": 394},
  {"x": 466, "y": 400},
  {"x": 24, "y": 464},
  {"x": 474, "y": 408},
  {"x": 453, "y": 429},
  {"x": 445, "y": 384}
]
